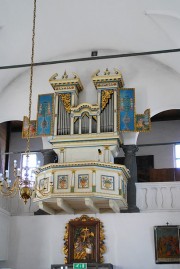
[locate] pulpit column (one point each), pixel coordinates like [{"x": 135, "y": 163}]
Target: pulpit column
[
  {"x": 73, "y": 180},
  {"x": 61, "y": 155},
  {"x": 93, "y": 180}
]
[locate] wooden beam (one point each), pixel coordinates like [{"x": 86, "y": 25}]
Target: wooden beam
[
  {"x": 114, "y": 206},
  {"x": 90, "y": 204},
  {"x": 64, "y": 206},
  {"x": 46, "y": 208}
]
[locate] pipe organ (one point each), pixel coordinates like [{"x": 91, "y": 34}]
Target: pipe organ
[
  {"x": 72, "y": 118},
  {"x": 85, "y": 139},
  {"x": 107, "y": 111},
  {"x": 63, "y": 121}
]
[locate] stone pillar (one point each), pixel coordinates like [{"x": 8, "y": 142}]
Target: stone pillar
[{"x": 130, "y": 163}]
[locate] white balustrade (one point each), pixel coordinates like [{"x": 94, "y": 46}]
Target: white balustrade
[{"x": 158, "y": 196}]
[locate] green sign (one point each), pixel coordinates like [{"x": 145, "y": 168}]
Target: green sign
[{"x": 79, "y": 265}]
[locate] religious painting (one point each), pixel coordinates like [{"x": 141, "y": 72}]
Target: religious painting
[
  {"x": 32, "y": 128},
  {"x": 167, "y": 244},
  {"x": 107, "y": 182},
  {"x": 45, "y": 114},
  {"x": 62, "y": 181},
  {"x": 84, "y": 240},
  {"x": 43, "y": 184},
  {"x": 127, "y": 110},
  {"x": 143, "y": 122},
  {"x": 83, "y": 181}
]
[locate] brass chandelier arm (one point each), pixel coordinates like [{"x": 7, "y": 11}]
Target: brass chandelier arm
[
  {"x": 9, "y": 191},
  {"x": 43, "y": 192}
]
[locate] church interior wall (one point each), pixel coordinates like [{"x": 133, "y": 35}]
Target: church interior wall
[
  {"x": 37, "y": 241},
  {"x": 41, "y": 237}
]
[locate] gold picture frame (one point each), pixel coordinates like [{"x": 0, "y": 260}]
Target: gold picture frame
[{"x": 84, "y": 240}]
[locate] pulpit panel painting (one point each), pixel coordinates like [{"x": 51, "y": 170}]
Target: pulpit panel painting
[
  {"x": 143, "y": 122},
  {"x": 45, "y": 114},
  {"x": 127, "y": 110},
  {"x": 32, "y": 128}
]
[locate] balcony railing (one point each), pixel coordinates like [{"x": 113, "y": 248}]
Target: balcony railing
[{"x": 158, "y": 196}]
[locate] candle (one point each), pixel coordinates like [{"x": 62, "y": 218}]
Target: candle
[
  {"x": 7, "y": 173},
  {"x": 18, "y": 172},
  {"x": 15, "y": 163},
  {"x": 9, "y": 182}
]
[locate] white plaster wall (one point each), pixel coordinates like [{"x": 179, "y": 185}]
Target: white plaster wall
[
  {"x": 4, "y": 234},
  {"x": 151, "y": 79},
  {"x": 37, "y": 241},
  {"x": 85, "y": 153},
  {"x": 167, "y": 132},
  {"x": 162, "y": 132},
  {"x": 163, "y": 155}
]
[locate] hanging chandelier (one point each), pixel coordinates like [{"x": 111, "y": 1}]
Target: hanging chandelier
[{"x": 23, "y": 183}]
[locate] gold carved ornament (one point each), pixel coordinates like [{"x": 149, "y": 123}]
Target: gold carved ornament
[
  {"x": 66, "y": 99},
  {"x": 106, "y": 95},
  {"x": 85, "y": 235}
]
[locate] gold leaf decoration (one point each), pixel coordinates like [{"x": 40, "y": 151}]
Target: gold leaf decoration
[
  {"x": 106, "y": 95},
  {"x": 66, "y": 99}
]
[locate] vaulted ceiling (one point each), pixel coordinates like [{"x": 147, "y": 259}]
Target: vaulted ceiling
[{"x": 68, "y": 29}]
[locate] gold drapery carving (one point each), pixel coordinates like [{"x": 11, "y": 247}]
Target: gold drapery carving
[
  {"x": 66, "y": 99},
  {"x": 105, "y": 96}
]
